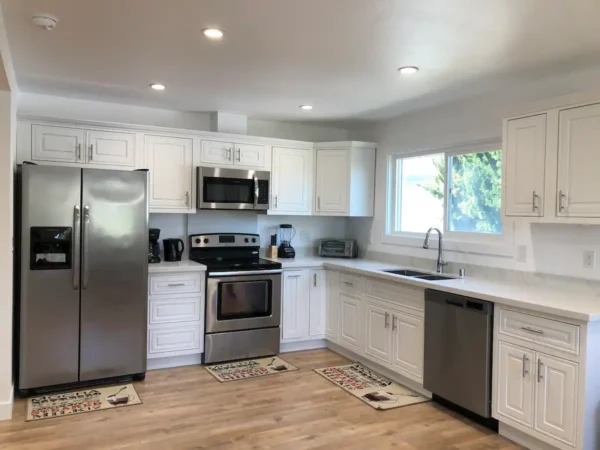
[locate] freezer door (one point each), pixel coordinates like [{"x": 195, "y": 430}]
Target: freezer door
[
  {"x": 49, "y": 275},
  {"x": 114, "y": 273}
]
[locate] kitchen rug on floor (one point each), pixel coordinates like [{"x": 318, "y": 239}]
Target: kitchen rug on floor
[
  {"x": 250, "y": 368},
  {"x": 372, "y": 388},
  {"x": 69, "y": 403}
]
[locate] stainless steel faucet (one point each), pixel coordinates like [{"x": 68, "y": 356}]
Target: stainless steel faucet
[{"x": 440, "y": 262}]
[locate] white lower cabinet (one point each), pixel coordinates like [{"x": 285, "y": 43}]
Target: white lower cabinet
[
  {"x": 536, "y": 391},
  {"x": 351, "y": 318},
  {"x": 379, "y": 337},
  {"x": 332, "y": 328},
  {"x": 175, "y": 314},
  {"x": 304, "y": 305},
  {"x": 408, "y": 344}
]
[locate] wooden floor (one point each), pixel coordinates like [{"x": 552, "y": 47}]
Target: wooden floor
[{"x": 186, "y": 408}]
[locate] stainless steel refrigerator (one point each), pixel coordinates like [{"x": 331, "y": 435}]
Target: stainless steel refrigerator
[{"x": 83, "y": 275}]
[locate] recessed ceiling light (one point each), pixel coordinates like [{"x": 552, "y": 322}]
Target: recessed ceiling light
[
  {"x": 408, "y": 70},
  {"x": 213, "y": 33},
  {"x": 157, "y": 86},
  {"x": 306, "y": 107}
]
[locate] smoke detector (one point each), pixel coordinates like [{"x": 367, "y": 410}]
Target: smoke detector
[{"x": 45, "y": 21}]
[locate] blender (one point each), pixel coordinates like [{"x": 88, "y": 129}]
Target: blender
[{"x": 286, "y": 234}]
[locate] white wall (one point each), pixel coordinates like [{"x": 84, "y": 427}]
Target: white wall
[
  {"x": 553, "y": 249},
  {"x": 73, "y": 108}
]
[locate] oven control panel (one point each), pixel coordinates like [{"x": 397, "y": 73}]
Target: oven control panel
[{"x": 224, "y": 240}]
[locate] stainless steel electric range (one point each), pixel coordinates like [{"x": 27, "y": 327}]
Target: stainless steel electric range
[{"x": 243, "y": 297}]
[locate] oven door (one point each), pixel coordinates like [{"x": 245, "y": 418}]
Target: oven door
[
  {"x": 232, "y": 189},
  {"x": 243, "y": 301}
]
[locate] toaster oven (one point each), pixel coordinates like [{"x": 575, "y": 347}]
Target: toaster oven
[{"x": 338, "y": 248}]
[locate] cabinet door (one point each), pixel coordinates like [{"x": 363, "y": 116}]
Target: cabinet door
[
  {"x": 351, "y": 312},
  {"x": 516, "y": 375},
  {"x": 169, "y": 161},
  {"x": 332, "y": 330},
  {"x": 525, "y": 159},
  {"x": 332, "y": 182},
  {"x": 216, "y": 152},
  {"x": 249, "y": 155},
  {"x": 291, "y": 178},
  {"x": 57, "y": 144},
  {"x": 556, "y": 398},
  {"x": 409, "y": 340},
  {"x": 318, "y": 303},
  {"x": 296, "y": 292},
  {"x": 110, "y": 148},
  {"x": 378, "y": 342},
  {"x": 578, "y": 161}
]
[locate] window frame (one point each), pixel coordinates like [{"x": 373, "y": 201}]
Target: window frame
[{"x": 454, "y": 241}]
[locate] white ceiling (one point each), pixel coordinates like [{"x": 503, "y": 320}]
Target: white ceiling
[{"x": 339, "y": 55}]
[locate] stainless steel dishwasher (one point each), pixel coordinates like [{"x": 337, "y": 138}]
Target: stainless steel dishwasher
[{"x": 458, "y": 350}]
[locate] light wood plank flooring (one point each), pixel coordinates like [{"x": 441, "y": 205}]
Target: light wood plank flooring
[{"x": 186, "y": 408}]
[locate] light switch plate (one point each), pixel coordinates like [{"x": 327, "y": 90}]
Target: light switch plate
[{"x": 589, "y": 259}]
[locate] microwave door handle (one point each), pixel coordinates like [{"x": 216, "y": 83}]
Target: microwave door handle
[{"x": 255, "y": 192}]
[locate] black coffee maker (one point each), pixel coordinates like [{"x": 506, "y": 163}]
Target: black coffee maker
[
  {"x": 154, "y": 246},
  {"x": 173, "y": 249}
]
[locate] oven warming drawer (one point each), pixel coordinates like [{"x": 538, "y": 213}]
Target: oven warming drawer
[{"x": 241, "y": 345}]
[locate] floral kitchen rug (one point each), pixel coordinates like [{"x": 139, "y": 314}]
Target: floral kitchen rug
[
  {"x": 372, "y": 388},
  {"x": 69, "y": 403},
  {"x": 251, "y": 368}
]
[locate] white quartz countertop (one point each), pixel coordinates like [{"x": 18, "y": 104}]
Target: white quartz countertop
[
  {"x": 566, "y": 303},
  {"x": 176, "y": 266}
]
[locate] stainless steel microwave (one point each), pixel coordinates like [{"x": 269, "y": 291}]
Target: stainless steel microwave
[{"x": 232, "y": 189}]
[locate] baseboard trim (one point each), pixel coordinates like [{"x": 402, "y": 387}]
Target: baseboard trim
[
  {"x": 523, "y": 439},
  {"x": 407, "y": 382},
  {"x": 174, "y": 361},
  {"x": 302, "y": 345},
  {"x": 6, "y": 407}
]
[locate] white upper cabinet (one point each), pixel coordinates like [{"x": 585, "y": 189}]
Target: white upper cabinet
[
  {"x": 110, "y": 148},
  {"x": 169, "y": 160},
  {"x": 216, "y": 152},
  {"x": 524, "y": 162},
  {"x": 291, "y": 181},
  {"x": 578, "y": 162},
  {"x": 249, "y": 155},
  {"x": 345, "y": 179},
  {"x": 58, "y": 144}
]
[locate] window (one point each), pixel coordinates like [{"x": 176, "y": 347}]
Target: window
[{"x": 456, "y": 192}]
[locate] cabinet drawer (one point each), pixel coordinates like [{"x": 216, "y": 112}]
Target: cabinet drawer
[
  {"x": 352, "y": 284},
  {"x": 174, "y": 283},
  {"x": 171, "y": 310},
  {"x": 400, "y": 294},
  {"x": 549, "y": 333},
  {"x": 174, "y": 339}
]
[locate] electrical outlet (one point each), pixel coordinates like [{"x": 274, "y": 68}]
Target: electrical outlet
[
  {"x": 304, "y": 236},
  {"x": 589, "y": 259}
]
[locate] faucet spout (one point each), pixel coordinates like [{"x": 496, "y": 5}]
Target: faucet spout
[{"x": 440, "y": 261}]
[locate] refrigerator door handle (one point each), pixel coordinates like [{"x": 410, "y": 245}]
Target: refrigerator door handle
[
  {"x": 86, "y": 221},
  {"x": 76, "y": 238}
]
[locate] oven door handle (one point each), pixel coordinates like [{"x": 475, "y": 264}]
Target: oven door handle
[{"x": 241, "y": 272}]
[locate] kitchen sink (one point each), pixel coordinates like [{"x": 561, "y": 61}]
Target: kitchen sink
[
  {"x": 407, "y": 272},
  {"x": 435, "y": 278}
]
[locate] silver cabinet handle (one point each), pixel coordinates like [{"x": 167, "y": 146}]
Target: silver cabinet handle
[
  {"x": 276, "y": 202},
  {"x": 91, "y": 152},
  {"x": 349, "y": 283},
  {"x": 79, "y": 151},
  {"x": 315, "y": 280},
  {"x": 239, "y": 155},
  {"x": 394, "y": 322},
  {"x": 532, "y": 330},
  {"x": 86, "y": 222},
  {"x": 175, "y": 284},
  {"x": 534, "y": 206},
  {"x": 319, "y": 202},
  {"x": 187, "y": 198},
  {"x": 76, "y": 237},
  {"x": 387, "y": 319},
  {"x": 561, "y": 196},
  {"x": 540, "y": 377},
  {"x": 229, "y": 154},
  {"x": 525, "y": 361},
  {"x": 255, "y": 192}
]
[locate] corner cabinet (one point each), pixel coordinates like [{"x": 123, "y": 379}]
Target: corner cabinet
[
  {"x": 169, "y": 160},
  {"x": 345, "y": 179}
]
